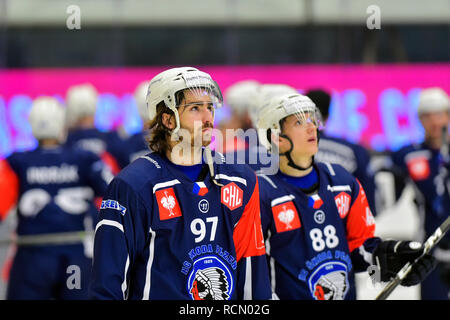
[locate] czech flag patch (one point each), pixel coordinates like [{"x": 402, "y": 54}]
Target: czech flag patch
[
  {"x": 315, "y": 202},
  {"x": 200, "y": 188}
]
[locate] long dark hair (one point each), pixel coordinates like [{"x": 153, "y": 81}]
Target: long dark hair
[{"x": 159, "y": 137}]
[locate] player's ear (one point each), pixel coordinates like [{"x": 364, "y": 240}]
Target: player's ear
[
  {"x": 277, "y": 140},
  {"x": 168, "y": 121}
]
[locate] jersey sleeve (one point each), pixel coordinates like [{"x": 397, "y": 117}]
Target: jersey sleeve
[
  {"x": 9, "y": 188},
  {"x": 366, "y": 177},
  {"x": 360, "y": 222},
  {"x": 253, "y": 276},
  {"x": 99, "y": 175},
  {"x": 118, "y": 236},
  {"x": 361, "y": 230}
]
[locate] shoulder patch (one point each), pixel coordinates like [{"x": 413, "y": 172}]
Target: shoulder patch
[{"x": 113, "y": 204}]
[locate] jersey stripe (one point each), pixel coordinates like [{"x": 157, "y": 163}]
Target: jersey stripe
[
  {"x": 148, "y": 275},
  {"x": 107, "y": 222},
  {"x": 248, "y": 279},
  {"x": 124, "y": 283},
  {"x": 282, "y": 199},
  {"x": 165, "y": 184},
  {"x": 231, "y": 178}
]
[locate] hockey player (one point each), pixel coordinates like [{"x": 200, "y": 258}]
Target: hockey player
[
  {"x": 53, "y": 186},
  {"x": 315, "y": 217},
  {"x": 81, "y": 102},
  {"x": 246, "y": 97},
  {"x": 135, "y": 144},
  {"x": 427, "y": 165},
  {"x": 175, "y": 224},
  {"x": 353, "y": 157}
]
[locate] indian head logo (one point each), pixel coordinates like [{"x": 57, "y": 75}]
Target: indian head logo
[
  {"x": 329, "y": 281},
  {"x": 286, "y": 217},
  {"x": 210, "y": 279},
  {"x": 167, "y": 204}
]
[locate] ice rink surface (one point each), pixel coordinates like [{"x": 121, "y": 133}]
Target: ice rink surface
[{"x": 398, "y": 221}]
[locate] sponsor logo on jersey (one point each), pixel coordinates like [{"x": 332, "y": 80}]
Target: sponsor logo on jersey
[
  {"x": 203, "y": 206},
  {"x": 329, "y": 281},
  {"x": 113, "y": 204},
  {"x": 286, "y": 217},
  {"x": 370, "y": 220},
  {"x": 418, "y": 168},
  {"x": 167, "y": 204},
  {"x": 319, "y": 216},
  {"x": 343, "y": 203},
  {"x": 210, "y": 279},
  {"x": 232, "y": 196}
]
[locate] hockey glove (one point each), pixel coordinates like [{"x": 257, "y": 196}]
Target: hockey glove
[{"x": 391, "y": 255}]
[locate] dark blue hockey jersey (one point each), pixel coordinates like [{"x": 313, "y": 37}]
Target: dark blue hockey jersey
[
  {"x": 430, "y": 177},
  {"x": 52, "y": 187},
  {"x": 107, "y": 145},
  {"x": 164, "y": 236},
  {"x": 354, "y": 158},
  {"x": 316, "y": 243}
]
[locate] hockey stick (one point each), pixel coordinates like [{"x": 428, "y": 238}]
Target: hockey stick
[{"x": 429, "y": 244}]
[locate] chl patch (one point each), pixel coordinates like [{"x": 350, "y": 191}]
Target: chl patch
[
  {"x": 343, "y": 203},
  {"x": 232, "y": 196},
  {"x": 168, "y": 204},
  {"x": 286, "y": 217}
]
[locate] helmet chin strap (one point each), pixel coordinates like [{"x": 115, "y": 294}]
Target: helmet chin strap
[{"x": 291, "y": 162}]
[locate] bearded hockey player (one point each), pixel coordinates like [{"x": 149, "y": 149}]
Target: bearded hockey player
[
  {"x": 53, "y": 188},
  {"x": 178, "y": 223},
  {"x": 316, "y": 220}
]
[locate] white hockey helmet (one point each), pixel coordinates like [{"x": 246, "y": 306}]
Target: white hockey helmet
[
  {"x": 81, "y": 101},
  {"x": 47, "y": 118},
  {"x": 433, "y": 100},
  {"x": 280, "y": 107},
  {"x": 267, "y": 92},
  {"x": 140, "y": 95},
  {"x": 240, "y": 95},
  {"x": 164, "y": 86}
]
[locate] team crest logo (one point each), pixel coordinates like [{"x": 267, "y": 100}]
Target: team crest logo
[
  {"x": 286, "y": 217},
  {"x": 329, "y": 281},
  {"x": 210, "y": 279},
  {"x": 167, "y": 204}
]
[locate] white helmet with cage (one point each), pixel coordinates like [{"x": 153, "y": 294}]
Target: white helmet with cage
[
  {"x": 239, "y": 96},
  {"x": 164, "y": 87},
  {"x": 47, "y": 119},
  {"x": 433, "y": 100},
  {"x": 265, "y": 93},
  {"x": 81, "y": 101},
  {"x": 280, "y": 107}
]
